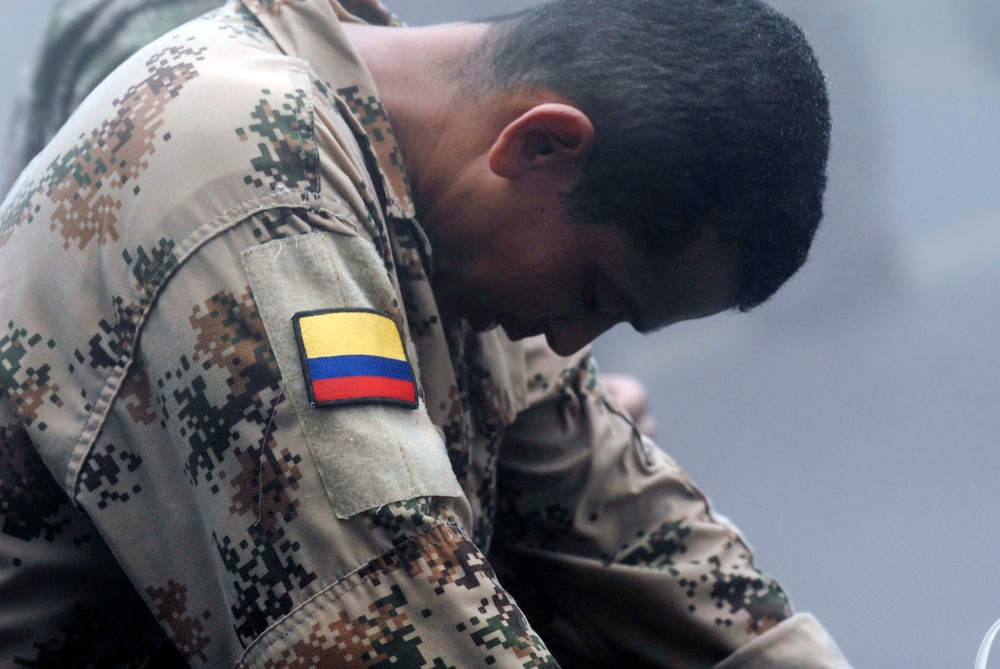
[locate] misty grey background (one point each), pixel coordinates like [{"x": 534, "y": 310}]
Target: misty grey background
[{"x": 850, "y": 426}]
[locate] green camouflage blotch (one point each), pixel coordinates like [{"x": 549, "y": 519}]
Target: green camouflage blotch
[
  {"x": 289, "y": 158},
  {"x": 28, "y": 388}
]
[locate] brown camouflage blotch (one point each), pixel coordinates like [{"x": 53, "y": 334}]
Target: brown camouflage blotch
[
  {"x": 370, "y": 112},
  {"x": 29, "y": 388},
  {"x": 263, "y": 488},
  {"x": 35, "y": 393},
  {"x": 357, "y": 643},
  {"x": 447, "y": 563},
  {"x": 187, "y": 632},
  {"x": 356, "y": 640},
  {"x": 498, "y": 407},
  {"x": 137, "y": 396},
  {"x": 82, "y": 182},
  {"x": 231, "y": 335}
]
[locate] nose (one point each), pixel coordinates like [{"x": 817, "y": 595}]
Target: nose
[{"x": 566, "y": 337}]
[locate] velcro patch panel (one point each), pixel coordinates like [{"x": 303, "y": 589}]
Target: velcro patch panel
[{"x": 354, "y": 356}]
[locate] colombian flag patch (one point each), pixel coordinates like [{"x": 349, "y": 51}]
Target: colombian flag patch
[{"x": 353, "y": 356}]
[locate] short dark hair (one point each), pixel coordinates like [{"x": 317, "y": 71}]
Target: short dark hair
[{"x": 705, "y": 111}]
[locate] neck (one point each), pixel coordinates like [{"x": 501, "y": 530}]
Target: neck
[{"x": 419, "y": 76}]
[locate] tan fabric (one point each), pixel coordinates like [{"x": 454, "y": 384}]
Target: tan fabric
[
  {"x": 85, "y": 40},
  {"x": 367, "y": 456},
  {"x": 155, "y": 460},
  {"x": 784, "y": 648}
]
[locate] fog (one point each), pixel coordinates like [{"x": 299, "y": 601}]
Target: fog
[{"x": 849, "y": 426}]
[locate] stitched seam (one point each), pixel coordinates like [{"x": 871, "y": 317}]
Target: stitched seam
[
  {"x": 205, "y": 233},
  {"x": 262, "y": 644}
]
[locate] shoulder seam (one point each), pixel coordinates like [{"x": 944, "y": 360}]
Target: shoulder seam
[{"x": 227, "y": 220}]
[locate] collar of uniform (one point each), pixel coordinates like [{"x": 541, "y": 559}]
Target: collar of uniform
[{"x": 311, "y": 30}]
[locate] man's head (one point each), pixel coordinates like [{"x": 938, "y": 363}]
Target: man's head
[
  {"x": 589, "y": 162},
  {"x": 705, "y": 112}
]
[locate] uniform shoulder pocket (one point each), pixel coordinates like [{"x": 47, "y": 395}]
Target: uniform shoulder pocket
[{"x": 332, "y": 318}]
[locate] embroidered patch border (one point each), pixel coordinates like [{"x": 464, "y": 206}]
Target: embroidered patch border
[{"x": 353, "y": 356}]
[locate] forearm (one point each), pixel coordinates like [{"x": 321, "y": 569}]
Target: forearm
[{"x": 616, "y": 554}]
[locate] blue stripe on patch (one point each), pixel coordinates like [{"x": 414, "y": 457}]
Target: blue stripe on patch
[{"x": 358, "y": 365}]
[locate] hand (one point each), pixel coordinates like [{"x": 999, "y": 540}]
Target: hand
[{"x": 631, "y": 394}]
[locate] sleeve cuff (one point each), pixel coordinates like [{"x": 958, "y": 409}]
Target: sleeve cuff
[{"x": 799, "y": 642}]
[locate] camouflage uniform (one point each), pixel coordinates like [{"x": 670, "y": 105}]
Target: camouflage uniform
[
  {"x": 167, "y": 488},
  {"x": 84, "y": 42}
]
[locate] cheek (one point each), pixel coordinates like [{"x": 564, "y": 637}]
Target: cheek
[{"x": 547, "y": 294}]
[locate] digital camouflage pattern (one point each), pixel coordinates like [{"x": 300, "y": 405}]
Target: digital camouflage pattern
[
  {"x": 165, "y": 496},
  {"x": 84, "y": 41}
]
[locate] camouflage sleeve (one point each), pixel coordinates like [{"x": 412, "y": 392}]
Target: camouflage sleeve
[
  {"x": 225, "y": 520},
  {"x": 614, "y": 553},
  {"x": 201, "y": 504},
  {"x": 84, "y": 41},
  {"x": 64, "y": 600},
  {"x": 181, "y": 493}
]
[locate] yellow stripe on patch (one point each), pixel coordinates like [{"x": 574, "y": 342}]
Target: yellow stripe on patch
[{"x": 350, "y": 333}]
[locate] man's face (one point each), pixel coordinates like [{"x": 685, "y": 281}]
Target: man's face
[{"x": 540, "y": 272}]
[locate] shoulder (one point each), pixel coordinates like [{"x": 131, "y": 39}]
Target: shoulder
[
  {"x": 213, "y": 102},
  {"x": 204, "y": 130},
  {"x": 205, "y": 120}
]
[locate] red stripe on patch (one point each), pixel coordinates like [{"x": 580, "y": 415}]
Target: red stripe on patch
[{"x": 363, "y": 387}]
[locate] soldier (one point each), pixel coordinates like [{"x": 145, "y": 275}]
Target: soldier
[
  {"x": 86, "y": 40},
  {"x": 256, "y": 414}
]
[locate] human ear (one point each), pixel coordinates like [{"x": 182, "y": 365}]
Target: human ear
[{"x": 549, "y": 135}]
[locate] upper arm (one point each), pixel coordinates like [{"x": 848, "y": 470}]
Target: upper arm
[
  {"x": 630, "y": 548},
  {"x": 258, "y": 527}
]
